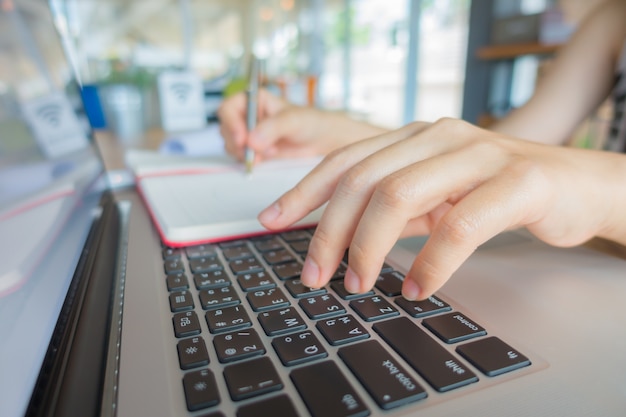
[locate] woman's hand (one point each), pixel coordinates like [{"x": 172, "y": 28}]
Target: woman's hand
[
  {"x": 286, "y": 130},
  {"x": 457, "y": 183}
]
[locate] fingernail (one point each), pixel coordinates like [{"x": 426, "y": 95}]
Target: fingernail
[
  {"x": 310, "y": 273},
  {"x": 351, "y": 281},
  {"x": 410, "y": 290},
  {"x": 269, "y": 214}
]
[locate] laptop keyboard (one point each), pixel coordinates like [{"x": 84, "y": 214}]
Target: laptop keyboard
[{"x": 241, "y": 314}]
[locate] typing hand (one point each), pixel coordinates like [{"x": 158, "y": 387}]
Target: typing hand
[{"x": 455, "y": 182}]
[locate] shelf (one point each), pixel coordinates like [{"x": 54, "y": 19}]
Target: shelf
[{"x": 514, "y": 50}]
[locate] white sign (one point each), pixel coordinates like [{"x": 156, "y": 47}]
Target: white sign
[
  {"x": 54, "y": 124},
  {"x": 181, "y": 97}
]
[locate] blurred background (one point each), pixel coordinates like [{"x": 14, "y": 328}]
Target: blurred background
[{"x": 387, "y": 62}]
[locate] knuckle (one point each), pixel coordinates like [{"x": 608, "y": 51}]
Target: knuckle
[
  {"x": 394, "y": 192},
  {"x": 355, "y": 179},
  {"x": 458, "y": 228}
]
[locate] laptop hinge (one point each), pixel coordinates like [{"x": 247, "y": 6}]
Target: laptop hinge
[{"x": 72, "y": 379}]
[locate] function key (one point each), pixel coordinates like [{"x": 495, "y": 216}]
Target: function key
[
  {"x": 431, "y": 305},
  {"x": 373, "y": 308},
  {"x": 327, "y": 392},
  {"x": 492, "y": 356},
  {"x": 200, "y": 390},
  {"x": 453, "y": 327},
  {"x": 381, "y": 374},
  {"x": 231, "y": 243}
]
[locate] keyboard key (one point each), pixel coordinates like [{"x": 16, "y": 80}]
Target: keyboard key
[
  {"x": 492, "y": 356},
  {"x": 453, "y": 327},
  {"x": 390, "y": 283},
  {"x": 327, "y": 392},
  {"x": 285, "y": 320},
  {"x": 227, "y": 319},
  {"x": 432, "y": 361},
  {"x": 339, "y": 287},
  {"x": 200, "y": 251},
  {"x": 251, "y": 378},
  {"x": 176, "y": 282},
  {"x": 238, "y": 345},
  {"x": 342, "y": 330},
  {"x": 186, "y": 324},
  {"x": 300, "y": 246},
  {"x": 237, "y": 252},
  {"x": 170, "y": 253},
  {"x": 192, "y": 353},
  {"x": 279, "y": 256},
  {"x": 200, "y": 390},
  {"x": 293, "y": 235},
  {"x": 265, "y": 245},
  {"x": 255, "y": 281},
  {"x": 206, "y": 264},
  {"x": 389, "y": 384},
  {"x": 262, "y": 300},
  {"x": 322, "y": 306},
  {"x": 211, "y": 279},
  {"x": 431, "y": 305},
  {"x": 373, "y": 308},
  {"x": 181, "y": 301},
  {"x": 174, "y": 266},
  {"x": 298, "y": 290},
  {"x": 278, "y": 406},
  {"x": 246, "y": 266},
  {"x": 288, "y": 270},
  {"x": 298, "y": 348},
  {"x": 218, "y": 298}
]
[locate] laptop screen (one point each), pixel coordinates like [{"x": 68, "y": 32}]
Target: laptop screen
[{"x": 50, "y": 184}]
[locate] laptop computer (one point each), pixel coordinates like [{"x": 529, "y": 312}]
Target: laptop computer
[{"x": 97, "y": 317}]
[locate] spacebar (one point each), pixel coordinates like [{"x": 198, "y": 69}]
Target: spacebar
[{"x": 431, "y": 360}]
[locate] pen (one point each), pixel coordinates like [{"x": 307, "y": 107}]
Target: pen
[{"x": 251, "y": 107}]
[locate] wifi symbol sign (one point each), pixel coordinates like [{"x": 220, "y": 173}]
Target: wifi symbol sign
[
  {"x": 50, "y": 114},
  {"x": 180, "y": 91}
]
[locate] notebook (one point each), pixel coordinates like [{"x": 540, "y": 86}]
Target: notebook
[{"x": 99, "y": 317}]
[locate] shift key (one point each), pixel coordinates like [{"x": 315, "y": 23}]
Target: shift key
[
  {"x": 382, "y": 376},
  {"x": 432, "y": 361}
]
